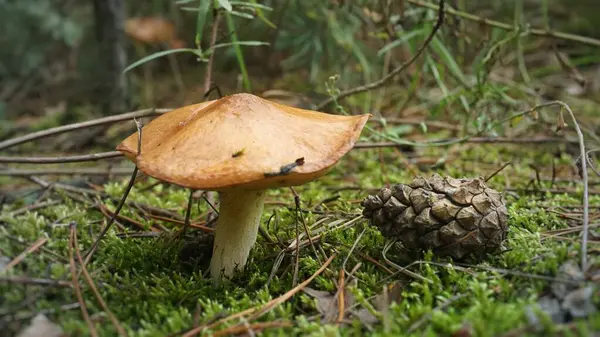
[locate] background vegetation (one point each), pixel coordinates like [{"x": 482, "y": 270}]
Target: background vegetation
[{"x": 461, "y": 98}]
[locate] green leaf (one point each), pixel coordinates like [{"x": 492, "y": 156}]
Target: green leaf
[
  {"x": 225, "y": 4},
  {"x": 516, "y": 120},
  {"x": 242, "y": 14},
  {"x": 403, "y": 39},
  {"x": 259, "y": 12},
  {"x": 238, "y": 51},
  {"x": 161, "y": 54},
  {"x": 252, "y": 4},
  {"x": 240, "y": 43},
  {"x": 448, "y": 59},
  {"x": 203, "y": 8}
]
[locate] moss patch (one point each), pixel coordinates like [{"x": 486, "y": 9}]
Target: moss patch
[{"x": 155, "y": 285}]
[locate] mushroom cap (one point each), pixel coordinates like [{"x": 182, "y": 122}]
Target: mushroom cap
[
  {"x": 242, "y": 141},
  {"x": 151, "y": 29}
]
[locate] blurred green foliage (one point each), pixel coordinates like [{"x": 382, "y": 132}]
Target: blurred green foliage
[{"x": 31, "y": 31}]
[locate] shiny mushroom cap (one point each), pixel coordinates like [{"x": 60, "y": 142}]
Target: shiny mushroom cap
[{"x": 242, "y": 141}]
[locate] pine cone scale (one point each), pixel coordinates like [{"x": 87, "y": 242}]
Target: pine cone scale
[{"x": 455, "y": 217}]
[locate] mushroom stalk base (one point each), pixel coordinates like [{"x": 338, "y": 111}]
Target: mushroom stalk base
[{"x": 236, "y": 231}]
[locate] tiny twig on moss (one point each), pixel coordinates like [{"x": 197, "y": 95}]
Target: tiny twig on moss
[
  {"x": 90, "y": 282},
  {"x": 584, "y": 176},
  {"x": 213, "y": 40},
  {"x": 35, "y": 281},
  {"x": 60, "y": 160},
  {"x": 188, "y": 212},
  {"x": 382, "y": 81},
  {"x": 92, "y": 249},
  {"x": 35, "y": 246},
  {"x": 83, "y": 171},
  {"x": 493, "y": 174},
  {"x": 76, "y": 287},
  {"x": 78, "y": 126}
]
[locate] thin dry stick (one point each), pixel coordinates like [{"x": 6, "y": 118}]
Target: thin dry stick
[
  {"x": 60, "y": 160},
  {"x": 506, "y": 26},
  {"x": 393, "y": 73},
  {"x": 90, "y": 282},
  {"x": 493, "y": 174},
  {"x": 78, "y": 126},
  {"x": 476, "y": 140},
  {"x": 341, "y": 299},
  {"x": 589, "y": 160},
  {"x": 210, "y": 198},
  {"x": 84, "y": 312},
  {"x": 35, "y": 246},
  {"x": 301, "y": 216},
  {"x": 281, "y": 299},
  {"x": 365, "y": 145},
  {"x": 188, "y": 212},
  {"x": 35, "y": 281},
  {"x": 586, "y": 217},
  {"x": 67, "y": 171},
  {"x": 92, "y": 249},
  {"x": 213, "y": 40},
  {"x": 157, "y": 112}
]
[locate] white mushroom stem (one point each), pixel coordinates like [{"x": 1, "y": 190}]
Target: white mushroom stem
[{"x": 236, "y": 230}]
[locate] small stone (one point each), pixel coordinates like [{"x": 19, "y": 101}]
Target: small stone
[{"x": 579, "y": 302}]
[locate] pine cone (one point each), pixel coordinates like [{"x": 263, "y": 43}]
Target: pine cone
[{"x": 455, "y": 217}]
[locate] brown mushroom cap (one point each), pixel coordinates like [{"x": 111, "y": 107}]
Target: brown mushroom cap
[
  {"x": 150, "y": 29},
  {"x": 242, "y": 141}
]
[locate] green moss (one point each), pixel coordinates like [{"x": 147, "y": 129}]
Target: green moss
[{"x": 155, "y": 288}]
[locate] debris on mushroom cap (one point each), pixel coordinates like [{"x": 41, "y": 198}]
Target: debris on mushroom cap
[
  {"x": 151, "y": 30},
  {"x": 242, "y": 141}
]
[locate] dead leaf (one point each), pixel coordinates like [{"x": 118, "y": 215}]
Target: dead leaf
[
  {"x": 327, "y": 303},
  {"x": 41, "y": 326}
]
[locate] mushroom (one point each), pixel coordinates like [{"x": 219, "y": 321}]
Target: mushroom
[
  {"x": 241, "y": 145},
  {"x": 155, "y": 31}
]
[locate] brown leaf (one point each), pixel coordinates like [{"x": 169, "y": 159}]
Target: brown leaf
[{"x": 327, "y": 303}]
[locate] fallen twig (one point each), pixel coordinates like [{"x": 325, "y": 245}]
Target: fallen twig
[
  {"x": 60, "y": 160},
  {"x": 35, "y": 281},
  {"x": 78, "y": 126},
  {"x": 90, "y": 282},
  {"x": 84, "y": 171},
  {"x": 92, "y": 249},
  {"x": 84, "y": 312},
  {"x": 35, "y": 246}
]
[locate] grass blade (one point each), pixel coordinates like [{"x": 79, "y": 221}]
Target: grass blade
[
  {"x": 238, "y": 52},
  {"x": 203, "y": 8},
  {"x": 160, "y": 54}
]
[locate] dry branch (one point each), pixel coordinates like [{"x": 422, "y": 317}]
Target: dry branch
[{"x": 393, "y": 73}]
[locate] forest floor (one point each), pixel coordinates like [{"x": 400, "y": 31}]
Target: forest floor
[{"x": 153, "y": 282}]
